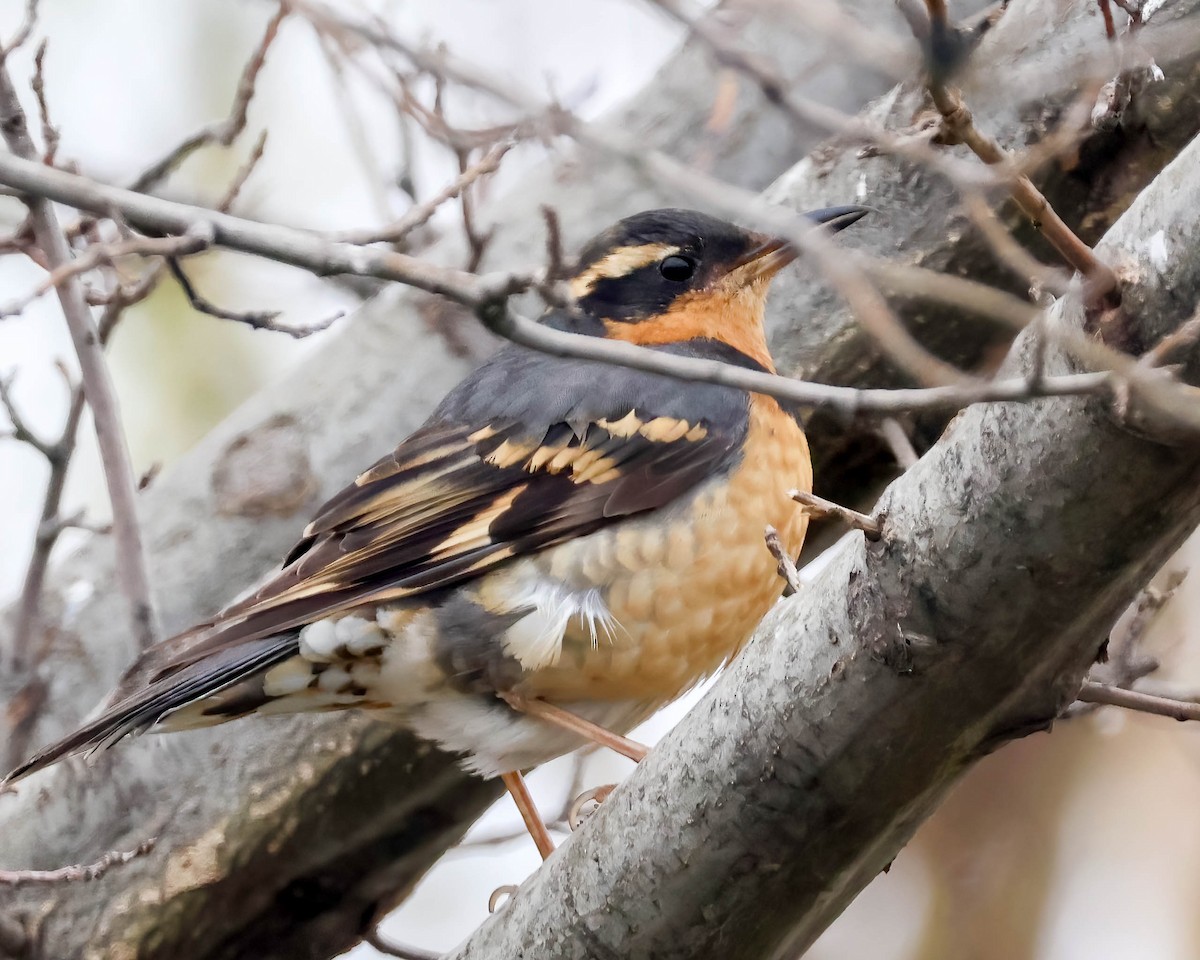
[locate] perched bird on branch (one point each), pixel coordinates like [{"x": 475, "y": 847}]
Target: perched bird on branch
[{"x": 564, "y": 546}]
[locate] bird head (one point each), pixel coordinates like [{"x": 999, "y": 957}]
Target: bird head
[{"x": 666, "y": 276}]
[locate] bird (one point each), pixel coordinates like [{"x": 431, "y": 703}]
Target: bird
[{"x": 561, "y": 549}]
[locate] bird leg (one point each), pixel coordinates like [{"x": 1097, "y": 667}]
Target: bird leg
[
  {"x": 568, "y": 721},
  {"x": 533, "y": 820},
  {"x": 585, "y": 728}
]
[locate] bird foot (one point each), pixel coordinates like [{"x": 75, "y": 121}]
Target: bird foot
[
  {"x": 499, "y": 895},
  {"x": 586, "y": 803}
]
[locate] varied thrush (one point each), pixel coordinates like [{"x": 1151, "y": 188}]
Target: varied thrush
[{"x": 564, "y": 547}]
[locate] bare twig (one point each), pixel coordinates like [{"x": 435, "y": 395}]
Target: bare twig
[
  {"x": 555, "y": 258},
  {"x": 243, "y": 173},
  {"x": 420, "y": 213},
  {"x": 486, "y": 295},
  {"x": 302, "y": 248},
  {"x": 1182, "y": 338},
  {"x": 896, "y": 437},
  {"x": 786, "y": 565},
  {"x": 960, "y": 128},
  {"x": 1120, "y": 663},
  {"x": 28, "y": 21},
  {"x": 225, "y": 131},
  {"x": 256, "y": 320},
  {"x": 872, "y": 527},
  {"x": 1007, "y": 250},
  {"x": 1133, "y": 8},
  {"x": 97, "y": 383},
  {"x": 1110, "y": 695},
  {"x": 49, "y": 131},
  {"x": 477, "y": 241},
  {"x": 1110, "y": 28},
  {"x": 58, "y": 455},
  {"x": 20, "y": 430},
  {"x": 76, "y": 873},
  {"x": 376, "y": 940},
  {"x": 105, "y": 253}
]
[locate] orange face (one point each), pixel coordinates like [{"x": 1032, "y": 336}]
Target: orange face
[{"x": 728, "y": 308}]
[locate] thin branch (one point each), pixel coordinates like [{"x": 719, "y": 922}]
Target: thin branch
[
  {"x": 1120, "y": 663},
  {"x": 20, "y": 430},
  {"x": 243, "y": 173},
  {"x": 97, "y": 382},
  {"x": 1010, "y": 253},
  {"x": 99, "y": 254},
  {"x": 28, "y": 22},
  {"x": 50, "y": 135},
  {"x": 785, "y": 564},
  {"x": 486, "y": 295},
  {"x": 1110, "y": 695},
  {"x": 960, "y": 128},
  {"x": 375, "y": 939},
  {"x": 420, "y": 213},
  {"x": 29, "y": 605},
  {"x": 872, "y": 527},
  {"x": 898, "y": 442},
  {"x": 555, "y": 258},
  {"x": 1182, "y": 338},
  {"x": 302, "y": 248},
  {"x": 77, "y": 873},
  {"x": 1133, "y": 9},
  {"x": 256, "y": 320},
  {"x": 477, "y": 241},
  {"x": 222, "y": 132},
  {"x": 59, "y": 456},
  {"x": 1110, "y": 27}
]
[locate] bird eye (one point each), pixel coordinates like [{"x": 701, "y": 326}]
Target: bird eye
[{"x": 677, "y": 269}]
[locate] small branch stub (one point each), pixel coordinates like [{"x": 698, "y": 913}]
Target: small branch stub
[
  {"x": 872, "y": 527},
  {"x": 787, "y": 566},
  {"x": 77, "y": 872}
]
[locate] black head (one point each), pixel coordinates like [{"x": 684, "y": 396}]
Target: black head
[{"x": 639, "y": 267}]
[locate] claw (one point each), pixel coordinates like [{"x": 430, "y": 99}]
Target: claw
[
  {"x": 498, "y": 895},
  {"x": 597, "y": 795}
]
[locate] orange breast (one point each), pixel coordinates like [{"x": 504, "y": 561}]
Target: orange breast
[{"x": 687, "y": 585}]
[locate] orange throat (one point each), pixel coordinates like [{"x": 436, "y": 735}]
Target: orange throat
[{"x": 732, "y": 316}]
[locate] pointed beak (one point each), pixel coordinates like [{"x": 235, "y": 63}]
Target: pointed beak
[
  {"x": 838, "y": 218},
  {"x": 771, "y": 254}
]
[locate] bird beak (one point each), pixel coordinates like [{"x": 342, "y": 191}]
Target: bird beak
[{"x": 771, "y": 254}]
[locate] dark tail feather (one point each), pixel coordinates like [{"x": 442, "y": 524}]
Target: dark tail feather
[{"x": 142, "y": 710}]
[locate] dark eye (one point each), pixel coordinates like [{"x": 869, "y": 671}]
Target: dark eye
[{"x": 677, "y": 269}]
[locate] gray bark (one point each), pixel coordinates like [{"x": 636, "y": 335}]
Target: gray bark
[
  {"x": 1009, "y": 551},
  {"x": 279, "y": 838}
]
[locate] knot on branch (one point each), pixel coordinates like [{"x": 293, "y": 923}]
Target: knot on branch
[{"x": 955, "y": 120}]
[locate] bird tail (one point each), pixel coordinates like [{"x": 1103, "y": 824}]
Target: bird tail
[{"x": 167, "y": 697}]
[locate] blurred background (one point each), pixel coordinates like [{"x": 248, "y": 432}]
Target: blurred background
[{"x": 1079, "y": 845}]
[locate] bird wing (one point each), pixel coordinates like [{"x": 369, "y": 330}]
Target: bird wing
[{"x": 455, "y": 499}]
